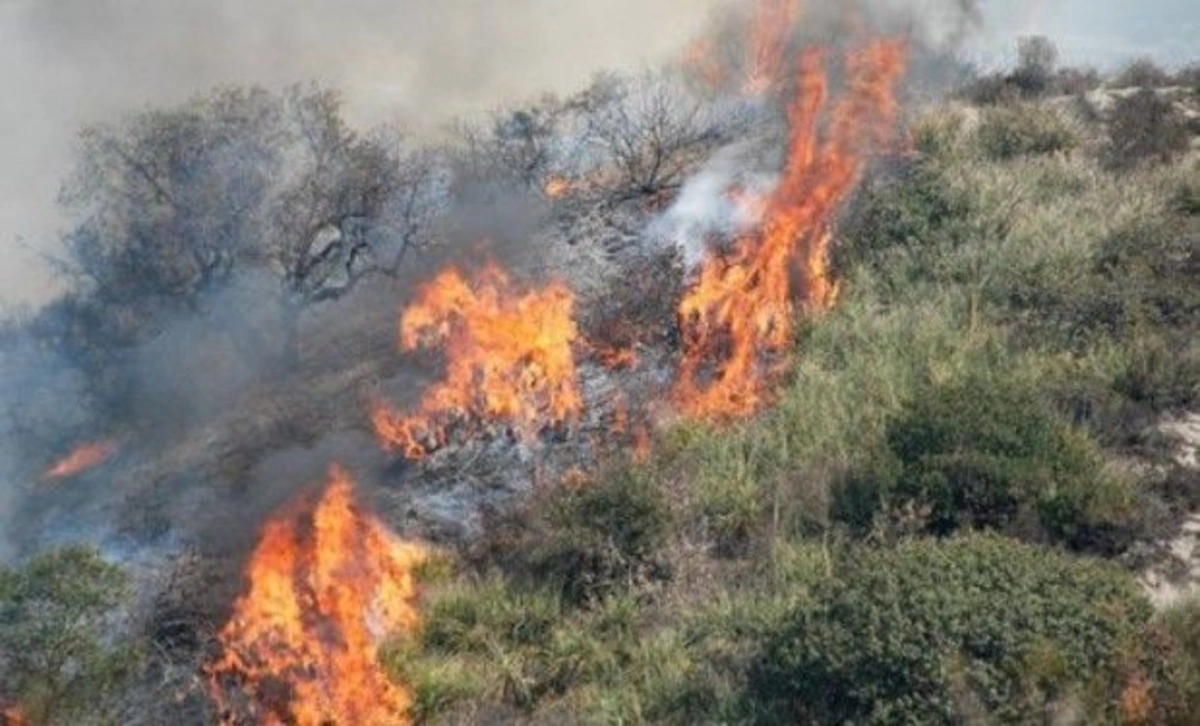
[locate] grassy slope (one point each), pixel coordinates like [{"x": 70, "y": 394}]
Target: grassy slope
[{"x": 1035, "y": 270}]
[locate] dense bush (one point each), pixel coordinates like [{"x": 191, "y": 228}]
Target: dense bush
[
  {"x": 1023, "y": 130},
  {"x": 1145, "y": 128},
  {"x": 1187, "y": 198},
  {"x": 910, "y": 216},
  {"x": 985, "y": 452},
  {"x": 940, "y": 632},
  {"x": 1036, "y": 57},
  {"x": 1142, "y": 73},
  {"x": 589, "y": 541},
  {"x": 59, "y": 657}
]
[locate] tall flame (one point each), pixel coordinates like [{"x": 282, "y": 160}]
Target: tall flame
[
  {"x": 739, "y": 311},
  {"x": 325, "y": 584},
  {"x": 509, "y": 358},
  {"x": 83, "y": 457},
  {"x": 769, "y": 28}
]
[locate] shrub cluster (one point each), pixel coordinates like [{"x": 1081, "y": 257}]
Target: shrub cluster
[
  {"x": 939, "y": 632},
  {"x": 1144, "y": 128},
  {"x": 987, "y": 453},
  {"x": 1015, "y": 130}
]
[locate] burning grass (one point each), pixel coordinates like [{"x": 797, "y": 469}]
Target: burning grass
[
  {"x": 508, "y": 353},
  {"x": 738, "y": 316}
]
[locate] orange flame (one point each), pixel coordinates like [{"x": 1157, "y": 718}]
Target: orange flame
[
  {"x": 701, "y": 57},
  {"x": 739, "y": 309},
  {"x": 324, "y": 586},
  {"x": 772, "y": 21},
  {"x": 13, "y": 717},
  {"x": 82, "y": 458},
  {"x": 509, "y": 358},
  {"x": 557, "y": 187}
]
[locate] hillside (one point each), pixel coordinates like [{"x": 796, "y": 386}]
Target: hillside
[{"x": 765, "y": 394}]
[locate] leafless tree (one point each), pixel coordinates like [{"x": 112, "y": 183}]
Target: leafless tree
[{"x": 650, "y": 132}]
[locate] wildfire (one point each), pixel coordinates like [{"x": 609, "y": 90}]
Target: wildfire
[
  {"x": 82, "y": 458},
  {"x": 509, "y": 358},
  {"x": 701, "y": 58},
  {"x": 768, "y": 42},
  {"x": 13, "y": 717},
  {"x": 739, "y": 311},
  {"x": 557, "y": 187},
  {"x": 325, "y": 583}
]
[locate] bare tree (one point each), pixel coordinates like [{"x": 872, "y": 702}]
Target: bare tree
[
  {"x": 167, "y": 203},
  {"x": 172, "y": 204},
  {"x": 651, "y": 132}
]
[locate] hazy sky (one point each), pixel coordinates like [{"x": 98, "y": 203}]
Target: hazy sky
[{"x": 64, "y": 63}]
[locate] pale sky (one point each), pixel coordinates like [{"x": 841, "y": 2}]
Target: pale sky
[{"x": 64, "y": 63}]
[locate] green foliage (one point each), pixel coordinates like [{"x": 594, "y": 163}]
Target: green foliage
[
  {"x": 1181, "y": 659},
  {"x": 902, "y": 222},
  {"x": 1145, "y": 128},
  {"x": 1187, "y": 197},
  {"x": 1036, "y": 57},
  {"x": 1142, "y": 73},
  {"x": 986, "y": 452},
  {"x": 588, "y": 541},
  {"x": 1015, "y": 130},
  {"x": 930, "y": 631},
  {"x": 58, "y": 656}
]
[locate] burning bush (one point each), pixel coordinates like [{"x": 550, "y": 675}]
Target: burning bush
[{"x": 325, "y": 585}]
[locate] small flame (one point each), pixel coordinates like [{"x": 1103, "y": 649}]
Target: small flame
[
  {"x": 82, "y": 458},
  {"x": 509, "y": 358},
  {"x": 557, "y": 187},
  {"x": 325, "y": 584},
  {"x": 739, "y": 310},
  {"x": 13, "y": 717}
]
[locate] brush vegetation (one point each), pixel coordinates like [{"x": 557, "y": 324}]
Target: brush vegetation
[
  {"x": 934, "y": 522},
  {"x": 925, "y": 526}
]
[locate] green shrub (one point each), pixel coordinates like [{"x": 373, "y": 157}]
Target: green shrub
[
  {"x": 590, "y": 540},
  {"x": 932, "y": 631},
  {"x": 1187, "y": 197},
  {"x": 1179, "y": 685},
  {"x": 1142, "y": 73},
  {"x": 1160, "y": 373},
  {"x": 901, "y": 221},
  {"x": 1017, "y": 130},
  {"x": 58, "y": 657},
  {"x": 1036, "y": 58},
  {"x": 1145, "y": 128},
  {"x": 987, "y": 452}
]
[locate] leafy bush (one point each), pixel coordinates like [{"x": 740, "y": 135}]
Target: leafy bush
[
  {"x": 983, "y": 452},
  {"x": 1142, "y": 73},
  {"x": 58, "y": 657},
  {"x": 1187, "y": 198},
  {"x": 1023, "y": 130},
  {"x": 587, "y": 541},
  {"x": 1145, "y": 128},
  {"x": 913, "y": 213},
  {"x": 937, "y": 631},
  {"x": 487, "y": 646},
  {"x": 1075, "y": 81},
  {"x": 1036, "y": 56}
]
